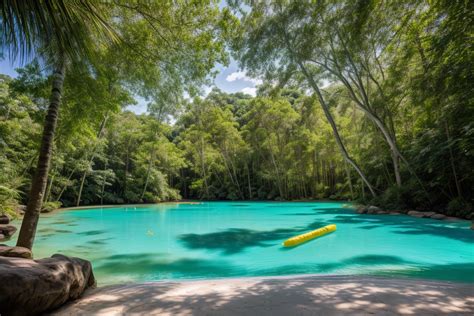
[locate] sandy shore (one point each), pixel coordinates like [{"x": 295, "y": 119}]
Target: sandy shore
[{"x": 298, "y": 295}]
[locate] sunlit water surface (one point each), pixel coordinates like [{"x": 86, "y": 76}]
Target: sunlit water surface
[{"x": 232, "y": 239}]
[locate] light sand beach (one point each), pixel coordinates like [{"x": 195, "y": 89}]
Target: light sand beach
[{"x": 296, "y": 295}]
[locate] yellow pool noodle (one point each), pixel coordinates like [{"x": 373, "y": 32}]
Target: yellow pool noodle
[{"x": 293, "y": 241}]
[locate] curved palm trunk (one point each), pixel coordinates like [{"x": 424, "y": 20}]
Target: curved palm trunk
[{"x": 38, "y": 186}]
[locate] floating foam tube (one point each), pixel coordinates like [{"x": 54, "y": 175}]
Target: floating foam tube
[{"x": 293, "y": 241}]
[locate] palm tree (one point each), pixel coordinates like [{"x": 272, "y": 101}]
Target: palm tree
[{"x": 60, "y": 32}]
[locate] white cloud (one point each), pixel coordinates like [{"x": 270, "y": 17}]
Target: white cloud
[
  {"x": 241, "y": 75},
  {"x": 237, "y": 75},
  {"x": 249, "y": 90},
  {"x": 325, "y": 83},
  {"x": 207, "y": 90}
]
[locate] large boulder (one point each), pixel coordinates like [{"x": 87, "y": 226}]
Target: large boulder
[
  {"x": 373, "y": 209},
  {"x": 428, "y": 214},
  {"x": 362, "y": 209},
  {"x": 31, "y": 287},
  {"x": 4, "y": 219},
  {"x": 438, "y": 216},
  {"x": 424, "y": 214},
  {"x": 17, "y": 252},
  {"x": 415, "y": 213},
  {"x": 7, "y": 230}
]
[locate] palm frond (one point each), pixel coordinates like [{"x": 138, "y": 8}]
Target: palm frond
[{"x": 72, "y": 25}]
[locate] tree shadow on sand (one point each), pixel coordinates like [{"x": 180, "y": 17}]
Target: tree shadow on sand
[{"x": 321, "y": 295}]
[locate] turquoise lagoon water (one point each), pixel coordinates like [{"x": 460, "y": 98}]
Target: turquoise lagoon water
[{"x": 233, "y": 239}]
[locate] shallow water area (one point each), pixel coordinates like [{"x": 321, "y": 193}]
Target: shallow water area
[{"x": 234, "y": 239}]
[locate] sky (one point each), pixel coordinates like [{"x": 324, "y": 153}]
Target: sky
[
  {"x": 8, "y": 68},
  {"x": 229, "y": 79}
]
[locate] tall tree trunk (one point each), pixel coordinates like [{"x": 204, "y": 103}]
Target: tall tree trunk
[
  {"x": 232, "y": 174},
  {"x": 236, "y": 179},
  {"x": 30, "y": 163},
  {"x": 348, "y": 173},
  {"x": 38, "y": 185},
  {"x": 203, "y": 169},
  {"x": 395, "y": 158},
  {"x": 150, "y": 165},
  {"x": 248, "y": 179},
  {"x": 89, "y": 165},
  {"x": 184, "y": 185},
  {"x": 280, "y": 189},
  {"x": 363, "y": 191},
  {"x": 328, "y": 115},
  {"x": 48, "y": 189},
  {"x": 102, "y": 189},
  {"x": 451, "y": 160},
  {"x": 66, "y": 185},
  {"x": 126, "y": 172},
  {"x": 396, "y": 168},
  {"x": 366, "y": 107},
  {"x": 334, "y": 128},
  {"x": 363, "y": 104},
  {"x": 83, "y": 179}
]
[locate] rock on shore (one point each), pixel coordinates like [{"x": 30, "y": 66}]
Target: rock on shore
[
  {"x": 4, "y": 219},
  {"x": 374, "y": 210},
  {"x": 6, "y": 231},
  {"x": 17, "y": 252},
  {"x": 31, "y": 287}
]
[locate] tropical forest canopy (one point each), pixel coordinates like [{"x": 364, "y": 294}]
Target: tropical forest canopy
[{"x": 361, "y": 100}]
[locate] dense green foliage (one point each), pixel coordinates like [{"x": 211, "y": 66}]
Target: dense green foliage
[{"x": 395, "y": 78}]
